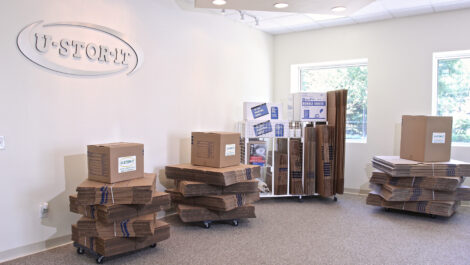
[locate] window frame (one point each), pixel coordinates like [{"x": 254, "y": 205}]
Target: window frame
[
  {"x": 296, "y": 77},
  {"x": 436, "y": 56}
]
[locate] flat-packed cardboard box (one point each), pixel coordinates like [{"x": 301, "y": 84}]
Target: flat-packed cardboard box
[
  {"x": 280, "y": 172},
  {"x": 426, "y": 138},
  {"x": 395, "y": 193},
  {"x": 118, "y": 212},
  {"x": 134, "y": 191},
  {"x": 265, "y": 128},
  {"x": 308, "y": 106},
  {"x": 223, "y": 203},
  {"x": 140, "y": 226},
  {"x": 192, "y": 188},
  {"x": 189, "y": 213},
  {"x": 295, "y": 166},
  {"x": 110, "y": 246},
  {"x": 441, "y": 208},
  {"x": 215, "y": 176},
  {"x": 114, "y": 162},
  {"x": 215, "y": 149},
  {"x": 262, "y": 111}
]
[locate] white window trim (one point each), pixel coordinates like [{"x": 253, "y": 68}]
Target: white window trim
[
  {"x": 435, "y": 58},
  {"x": 295, "y": 78}
]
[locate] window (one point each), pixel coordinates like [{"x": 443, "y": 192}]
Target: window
[
  {"x": 351, "y": 75},
  {"x": 451, "y": 91}
]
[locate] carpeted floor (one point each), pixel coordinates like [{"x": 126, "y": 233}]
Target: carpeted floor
[{"x": 316, "y": 231}]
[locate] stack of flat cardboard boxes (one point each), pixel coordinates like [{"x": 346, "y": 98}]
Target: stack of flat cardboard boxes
[
  {"x": 215, "y": 186},
  {"x": 423, "y": 179},
  {"x": 118, "y": 202}
]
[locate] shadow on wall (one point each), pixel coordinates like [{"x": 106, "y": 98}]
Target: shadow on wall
[
  {"x": 59, "y": 217},
  {"x": 397, "y": 140},
  {"x": 364, "y": 188}
]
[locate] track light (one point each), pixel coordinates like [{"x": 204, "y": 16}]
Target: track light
[{"x": 219, "y": 2}]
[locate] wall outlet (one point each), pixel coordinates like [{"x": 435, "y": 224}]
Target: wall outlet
[
  {"x": 2, "y": 142},
  {"x": 43, "y": 210}
]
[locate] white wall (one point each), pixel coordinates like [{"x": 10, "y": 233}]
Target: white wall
[
  {"x": 400, "y": 74},
  {"x": 198, "y": 70}
]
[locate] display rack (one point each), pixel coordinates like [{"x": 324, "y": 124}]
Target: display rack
[{"x": 273, "y": 142}]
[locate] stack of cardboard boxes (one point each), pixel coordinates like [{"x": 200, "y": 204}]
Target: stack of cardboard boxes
[
  {"x": 423, "y": 179},
  {"x": 118, "y": 202},
  {"x": 215, "y": 186}
]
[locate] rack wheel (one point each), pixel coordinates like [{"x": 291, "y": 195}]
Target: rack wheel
[
  {"x": 80, "y": 251},
  {"x": 300, "y": 199},
  {"x": 335, "y": 199},
  {"x": 387, "y": 209},
  {"x": 154, "y": 245},
  {"x": 100, "y": 259},
  {"x": 433, "y": 216},
  {"x": 235, "y": 222},
  {"x": 207, "y": 224}
]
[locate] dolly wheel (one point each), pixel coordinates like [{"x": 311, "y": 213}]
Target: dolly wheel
[
  {"x": 335, "y": 199},
  {"x": 100, "y": 259},
  {"x": 80, "y": 251},
  {"x": 235, "y": 222},
  {"x": 207, "y": 225},
  {"x": 154, "y": 245},
  {"x": 433, "y": 216}
]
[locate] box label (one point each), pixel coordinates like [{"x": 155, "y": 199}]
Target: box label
[
  {"x": 274, "y": 113},
  {"x": 260, "y": 111},
  {"x": 263, "y": 128},
  {"x": 127, "y": 164},
  {"x": 438, "y": 137},
  {"x": 229, "y": 149}
]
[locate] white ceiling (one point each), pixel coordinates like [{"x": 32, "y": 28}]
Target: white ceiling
[{"x": 285, "y": 22}]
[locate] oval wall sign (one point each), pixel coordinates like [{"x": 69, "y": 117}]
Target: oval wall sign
[{"x": 79, "y": 49}]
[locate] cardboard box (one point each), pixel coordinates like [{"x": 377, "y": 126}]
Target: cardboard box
[
  {"x": 308, "y": 106},
  {"x": 223, "y": 203},
  {"x": 110, "y": 246},
  {"x": 325, "y": 170},
  {"x": 262, "y": 111},
  {"x": 295, "y": 166},
  {"x": 395, "y": 193},
  {"x": 190, "y": 213},
  {"x": 280, "y": 173},
  {"x": 426, "y": 138},
  {"x": 192, "y": 188},
  {"x": 266, "y": 128},
  {"x": 215, "y": 149},
  {"x": 216, "y": 176},
  {"x": 441, "y": 208},
  {"x": 111, "y": 163},
  {"x": 115, "y": 213},
  {"x": 140, "y": 226},
  {"x": 134, "y": 191}
]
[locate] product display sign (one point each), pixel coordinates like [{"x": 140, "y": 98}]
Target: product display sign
[{"x": 79, "y": 49}]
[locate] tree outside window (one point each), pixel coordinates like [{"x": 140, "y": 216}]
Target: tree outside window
[{"x": 350, "y": 77}]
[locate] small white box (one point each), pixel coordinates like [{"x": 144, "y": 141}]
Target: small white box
[
  {"x": 262, "y": 111},
  {"x": 308, "y": 106},
  {"x": 266, "y": 128}
]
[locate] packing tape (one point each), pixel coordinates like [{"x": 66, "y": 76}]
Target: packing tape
[{"x": 112, "y": 194}]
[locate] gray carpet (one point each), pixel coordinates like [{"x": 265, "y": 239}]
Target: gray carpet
[{"x": 316, "y": 231}]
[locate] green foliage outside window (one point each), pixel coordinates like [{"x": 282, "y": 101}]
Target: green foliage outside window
[
  {"x": 453, "y": 95},
  {"x": 352, "y": 78}
]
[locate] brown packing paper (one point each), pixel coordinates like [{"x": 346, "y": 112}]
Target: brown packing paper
[
  {"x": 190, "y": 213},
  {"x": 110, "y": 246},
  {"x": 397, "y": 167},
  {"x": 216, "y": 202},
  {"x": 325, "y": 160},
  {"x": 215, "y": 176},
  {"x": 429, "y": 183},
  {"x": 140, "y": 226},
  {"x": 441, "y": 208},
  {"x": 310, "y": 160},
  {"x": 135, "y": 191},
  {"x": 192, "y": 188},
  {"x": 394, "y": 193},
  {"x": 118, "y": 212},
  {"x": 295, "y": 167}
]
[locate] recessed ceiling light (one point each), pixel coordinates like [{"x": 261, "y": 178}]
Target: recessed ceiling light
[
  {"x": 338, "y": 9},
  {"x": 281, "y": 5},
  {"x": 219, "y": 2}
]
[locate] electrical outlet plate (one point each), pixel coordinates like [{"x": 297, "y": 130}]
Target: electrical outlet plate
[{"x": 2, "y": 142}]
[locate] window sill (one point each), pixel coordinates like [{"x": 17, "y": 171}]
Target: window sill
[
  {"x": 357, "y": 141},
  {"x": 460, "y": 144}
]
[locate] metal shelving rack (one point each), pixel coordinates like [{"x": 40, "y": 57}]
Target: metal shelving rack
[{"x": 245, "y": 141}]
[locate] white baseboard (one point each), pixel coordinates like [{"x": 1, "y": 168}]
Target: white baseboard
[{"x": 27, "y": 250}]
